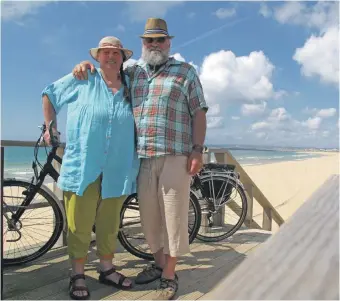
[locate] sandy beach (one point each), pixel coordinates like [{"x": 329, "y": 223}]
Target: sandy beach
[{"x": 287, "y": 185}]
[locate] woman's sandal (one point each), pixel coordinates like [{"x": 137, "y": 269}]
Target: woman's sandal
[
  {"x": 119, "y": 285},
  {"x": 77, "y": 288}
]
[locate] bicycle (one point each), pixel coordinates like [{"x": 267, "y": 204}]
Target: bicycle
[
  {"x": 218, "y": 188},
  {"x": 34, "y": 199}
]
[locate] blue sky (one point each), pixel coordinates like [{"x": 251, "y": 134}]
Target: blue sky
[{"x": 270, "y": 71}]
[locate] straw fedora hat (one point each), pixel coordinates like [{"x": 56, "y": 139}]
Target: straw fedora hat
[
  {"x": 156, "y": 28},
  {"x": 111, "y": 42}
]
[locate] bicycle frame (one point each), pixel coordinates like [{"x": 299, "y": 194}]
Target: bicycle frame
[{"x": 47, "y": 169}]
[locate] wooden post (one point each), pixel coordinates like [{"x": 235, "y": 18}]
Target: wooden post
[
  {"x": 267, "y": 219},
  {"x": 249, "y": 192}
]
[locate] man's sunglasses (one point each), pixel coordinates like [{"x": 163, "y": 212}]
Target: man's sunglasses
[{"x": 160, "y": 40}]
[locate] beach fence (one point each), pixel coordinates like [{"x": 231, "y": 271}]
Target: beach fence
[{"x": 221, "y": 155}]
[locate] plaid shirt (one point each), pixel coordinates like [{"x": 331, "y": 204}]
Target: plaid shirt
[{"x": 163, "y": 106}]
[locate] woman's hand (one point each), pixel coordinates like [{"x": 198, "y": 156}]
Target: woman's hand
[
  {"x": 80, "y": 70},
  {"x": 47, "y": 136}
]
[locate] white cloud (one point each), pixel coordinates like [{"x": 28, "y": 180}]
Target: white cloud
[
  {"x": 312, "y": 123},
  {"x": 253, "y": 109},
  {"x": 325, "y": 113},
  {"x": 16, "y": 10},
  {"x": 140, "y": 11},
  {"x": 223, "y": 13},
  {"x": 321, "y": 16},
  {"x": 214, "y": 110},
  {"x": 214, "y": 122},
  {"x": 235, "y": 117},
  {"x": 260, "y": 125},
  {"x": 278, "y": 114},
  {"x": 320, "y": 56},
  {"x": 179, "y": 57},
  {"x": 226, "y": 78}
]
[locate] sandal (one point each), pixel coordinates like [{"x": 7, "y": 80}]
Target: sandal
[
  {"x": 76, "y": 288},
  {"x": 119, "y": 285}
]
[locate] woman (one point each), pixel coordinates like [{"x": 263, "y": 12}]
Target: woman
[{"x": 100, "y": 163}]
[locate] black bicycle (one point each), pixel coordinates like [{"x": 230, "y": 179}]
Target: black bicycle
[
  {"x": 34, "y": 218},
  {"x": 223, "y": 201}
]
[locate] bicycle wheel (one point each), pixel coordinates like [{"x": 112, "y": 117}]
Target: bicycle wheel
[
  {"x": 230, "y": 212},
  {"x": 39, "y": 226},
  {"x": 131, "y": 235}
]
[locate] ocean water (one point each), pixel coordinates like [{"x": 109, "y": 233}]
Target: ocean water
[{"x": 18, "y": 160}]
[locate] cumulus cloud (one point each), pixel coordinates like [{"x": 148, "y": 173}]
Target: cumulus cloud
[
  {"x": 226, "y": 77},
  {"x": 312, "y": 123},
  {"x": 322, "y": 15},
  {"x": 325, "y": 113},
  {"x": 320, "y": 56},
  {"x": 16, "y": 10},
  {"x": 253, "y": 109},
  {"x": 224, "y": 13},
  {"x": 179, "y": 57},
  {"x": 214, "y": 122}
]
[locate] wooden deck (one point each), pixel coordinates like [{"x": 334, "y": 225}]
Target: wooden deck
[{"x": 47, "y": 278}]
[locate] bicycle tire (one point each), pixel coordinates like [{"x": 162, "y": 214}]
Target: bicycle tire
[
  {"x": 239, "y": 223},
  {"x": 148, "y": 256},
  {"x": 56, "y": 231}
]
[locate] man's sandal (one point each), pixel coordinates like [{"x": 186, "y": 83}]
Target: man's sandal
[
  {"x": 77, "y": 288},
  {"x": 119, "y": 285}
]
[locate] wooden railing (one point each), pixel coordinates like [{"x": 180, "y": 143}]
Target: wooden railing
[{"x": 222, "y": 155}]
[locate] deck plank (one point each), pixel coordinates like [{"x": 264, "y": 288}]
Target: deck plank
[
  {"x": 302, "y": 258},
  {"x": 47, "y": 278}
]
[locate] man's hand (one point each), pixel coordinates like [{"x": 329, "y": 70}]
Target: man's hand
[
  {"x": 195, "y": 163},
  {"x": 80, "y": 70}
]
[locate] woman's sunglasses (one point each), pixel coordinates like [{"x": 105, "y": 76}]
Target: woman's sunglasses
[{"x": 160, "y": 40}]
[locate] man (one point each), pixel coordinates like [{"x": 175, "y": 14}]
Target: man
[{"x": 170, "y": 116}]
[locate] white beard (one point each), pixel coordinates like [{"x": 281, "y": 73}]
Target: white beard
[{"x": 153, "y": 57}]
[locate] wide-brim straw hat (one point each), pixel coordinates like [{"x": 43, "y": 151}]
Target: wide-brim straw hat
[
  {"x": 112, "y": 43},
  {"x": 156, "y": 28}
]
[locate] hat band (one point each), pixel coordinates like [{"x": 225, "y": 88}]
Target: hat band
[
  {"x": 110, "y": 45},
  {"x": 153, "y": 31}
]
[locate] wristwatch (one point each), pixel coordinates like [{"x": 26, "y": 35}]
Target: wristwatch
[{"x": 198, "y": 148}]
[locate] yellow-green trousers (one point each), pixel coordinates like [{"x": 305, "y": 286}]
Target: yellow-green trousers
[{"x": 83, "y": 212}]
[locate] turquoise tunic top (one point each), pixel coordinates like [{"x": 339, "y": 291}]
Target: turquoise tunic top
[{"x": 99, "y": 136}]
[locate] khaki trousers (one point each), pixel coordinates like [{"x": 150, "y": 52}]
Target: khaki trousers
[{"x": 163, "y": 194}]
